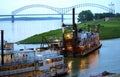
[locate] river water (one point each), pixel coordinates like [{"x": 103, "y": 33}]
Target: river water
[
  {"x": 20, "y": 30},
  {"x": 107, "y": 58}
]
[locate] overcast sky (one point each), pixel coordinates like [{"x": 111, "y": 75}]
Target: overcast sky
[{"x": 7, "y": 6}]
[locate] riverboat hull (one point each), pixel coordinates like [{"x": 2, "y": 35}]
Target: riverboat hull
[
  {"x": 103, "y": 74},
  {"x": 62, "y": 73},
  {"x": 90, "y": 51},
  {"x": 16, "y": 69}
]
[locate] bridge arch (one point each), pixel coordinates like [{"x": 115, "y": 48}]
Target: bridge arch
[
  {"x": 33, "y": 6},
  {"x": 63, "y": 10},
  {"x": 90, "y": 5}
]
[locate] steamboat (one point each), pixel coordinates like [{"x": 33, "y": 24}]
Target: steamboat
[
  {"x": 77, "y": 41},
  {"x": 30, "y": 62},
  {"x": 85, "y": 43},
  {"x": 44, "y": 64}
]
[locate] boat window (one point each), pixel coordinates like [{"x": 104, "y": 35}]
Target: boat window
[
  {"x": 57, "y": 59},
  {"x": 52, "y": 69},
  {"x": 30, "y": 65},
  {"x": 58, "y": 67},
  {"x": 48, "y": 61},
  {"x": 40, "y": 64},
  {"x": 60, "y": 59}
]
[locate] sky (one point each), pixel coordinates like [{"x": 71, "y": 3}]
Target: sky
[{"x": 7, "y": 6}]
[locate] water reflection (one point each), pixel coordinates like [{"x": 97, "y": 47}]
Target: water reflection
[
  {"x": 79, "y": 66},
  {"x": 70, "y": 65}
]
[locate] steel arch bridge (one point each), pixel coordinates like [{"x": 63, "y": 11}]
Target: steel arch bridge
[{"x": 63, "y": 10}]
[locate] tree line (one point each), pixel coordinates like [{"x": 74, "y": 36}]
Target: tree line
[{"x": 87, "y": 15}]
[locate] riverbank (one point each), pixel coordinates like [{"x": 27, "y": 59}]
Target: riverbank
[
  {"x": 115, "y": 75},
  {"x": 105, "y": 59},
  {"x": 108, "y": 30}
]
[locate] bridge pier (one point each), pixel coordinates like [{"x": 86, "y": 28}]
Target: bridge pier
[
  {"x": 62, "y": 18},
  {"x": 12, "y": 19},
  {"x": 2, "y": 47}
]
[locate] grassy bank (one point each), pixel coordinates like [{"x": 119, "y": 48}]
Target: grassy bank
[
  {"x": 108, "y": 29},
  {"x": 47, "y": 36}
]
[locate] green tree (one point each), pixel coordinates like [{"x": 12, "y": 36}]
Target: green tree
[{"x": 85, "y": 16}]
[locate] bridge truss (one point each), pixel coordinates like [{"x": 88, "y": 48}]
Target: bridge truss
[{"x": 59, "y": 11}]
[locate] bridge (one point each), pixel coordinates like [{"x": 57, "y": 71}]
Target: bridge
[{"x": 59, "y": 11}]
